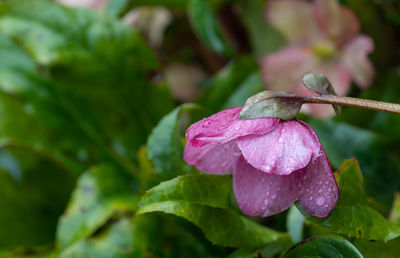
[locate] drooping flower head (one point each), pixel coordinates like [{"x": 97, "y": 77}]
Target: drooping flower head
[
  {"x": 273, "y": 162},
  {"x": 323, "y": 38}
]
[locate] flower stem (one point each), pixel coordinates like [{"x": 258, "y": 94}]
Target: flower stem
[{"x": 353, "y": 102}]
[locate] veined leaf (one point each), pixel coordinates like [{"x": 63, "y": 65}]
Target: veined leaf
[
  {"x": 326, "y": 246},
  {"x": 205, "y": 201},
  {"x": 164, "y": 145},
  {"x": 352, "y": 216},
  {"x": 101, "y": 193}
]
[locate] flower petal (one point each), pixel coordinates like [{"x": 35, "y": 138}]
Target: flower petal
[
  {"x": 287, "y": 148},
  {"x": 213, "y": 158},
  {"x": 223, "y": 127},
  {"x": 337, "y": 23},
  {"x": 356, "y": 60},
  {"x": 293, "y": 19},
  {"x": 319, "y": 191},
  {"x": 261, "y": 194},
  {"x": 284, "y": 69}
]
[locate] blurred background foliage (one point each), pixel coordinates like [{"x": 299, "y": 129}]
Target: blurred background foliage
[{"x": 94, "y": 101}]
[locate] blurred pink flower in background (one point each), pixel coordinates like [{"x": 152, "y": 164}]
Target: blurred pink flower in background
[
  {"x": 274, "y": 162},
  {"x": 92, "y": 4},
  {"x": 323, "y": 38}
]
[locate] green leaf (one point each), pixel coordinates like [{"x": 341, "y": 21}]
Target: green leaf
[
  {"x": 206, "y": 26},
  {"x": 320, "y": 84},
  {"x": 219, "y": 90},
  {"x": 395, "y": 213},
  {"x": 205, "y": 201},
  {"x": 295, "y": 224},
  {"x": 325, "y": 246},
  {"x": 249, "y": 87},
  {"x": 268, "y": 104},
  {"x": 164, "y": 145},
  {"x": 352, "y": 216},
  {"x": 264, "y": 38},
  {"x": 101, "y": 193},
  {"x": 374, "y": 249},
  {"x": 380, "y": 168},
  {"x": 32, "y": 198},
  {"x": 117, "y": 241},
  {"x": 116, "y": 7}
]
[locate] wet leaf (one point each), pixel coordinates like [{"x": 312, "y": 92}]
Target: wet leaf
[
  {"x": 101, "y": 193},
  {"x": 205, "y": 201},
  {"x": 352, "y": 216},
  {"x": 326, "y": 246},
  {"x": 164, "y": 145}
]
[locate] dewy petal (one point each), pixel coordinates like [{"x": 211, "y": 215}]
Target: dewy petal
[
  {"x": 336, "y": 22},
  {"x": 287, "y": 148},
  {"x": 223, "y": 127},
  {"x": 319, "y": 193},
  {"x": 293, "y": 19},
  {"x": 284, "y": 69},
  {"x": 261, "y": 194},
  {"x": 355, "y": 58},
  {"x": 213, "y": 158}
]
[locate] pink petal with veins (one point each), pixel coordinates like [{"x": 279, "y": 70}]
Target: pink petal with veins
[
  {"x": 287, "y": 148},
  {"x": 261, "y": 194},
  {"x": 355, "y": 58},
  {"x": 223, "y": 127},
  {"x": 213, "y": 158},
  {"x": 319, "y": 191}
]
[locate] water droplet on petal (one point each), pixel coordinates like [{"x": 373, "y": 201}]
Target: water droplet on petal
[
  {"x": 206, "y": 123},
  {"x": 320, "y": 200}
]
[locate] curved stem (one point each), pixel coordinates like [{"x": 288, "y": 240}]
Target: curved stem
[{"x": 353, "y": 102}]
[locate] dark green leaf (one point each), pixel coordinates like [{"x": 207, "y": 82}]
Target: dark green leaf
[
  {"x": 164, "y": 146},
  {"x": 32, "y": 198},
  {"x": 380, "y": 168},
  {"x": 374, "y": 249},
  {"x": 101, "y": 193},
  {"x": 264, "y": 38},
  {"x": 219, "y": 89},
  {"x": 269, "y": 104},
  {"x": 249, "y": 87},
  {"x": 326, "y": 246},
  {"x": 352, "y": 216},
  {"x": 205, "y": 201},
  {"x": 206, "y": 26}
]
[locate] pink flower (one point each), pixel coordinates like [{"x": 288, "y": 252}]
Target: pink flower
[
  {"x": 323, "y": 38},
  {"x": 274, "y": 162}
]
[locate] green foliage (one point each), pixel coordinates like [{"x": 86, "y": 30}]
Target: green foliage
[
  {"x": 352, "y": 216},
  {"x": 101, "y": 194},
  {"x": 207, "y": 27},
  {"x": 86, "y": 116},
  {"x": 205, "y": 201},
  {"x": 164, "y": 146},
  {"x": 326, "y": 246},
  {"x": 379, "y": 167}
]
